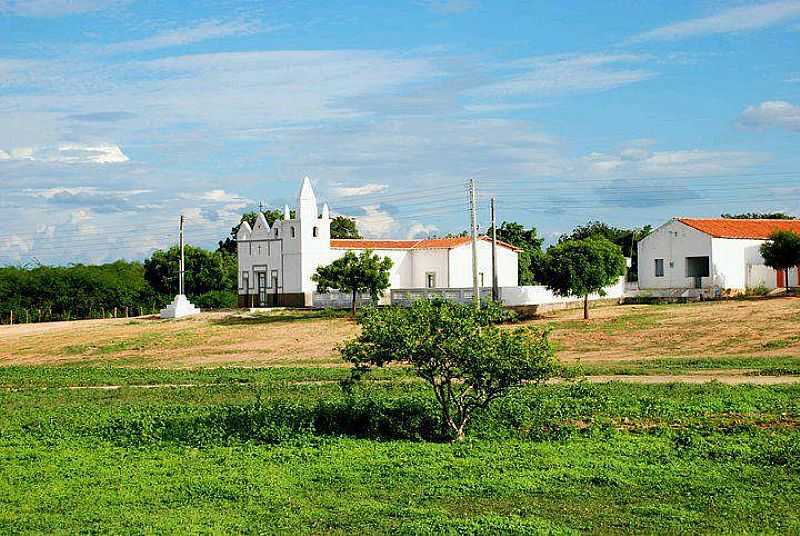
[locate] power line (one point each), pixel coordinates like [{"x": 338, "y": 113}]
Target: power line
[{"x": 579, "y": 179}]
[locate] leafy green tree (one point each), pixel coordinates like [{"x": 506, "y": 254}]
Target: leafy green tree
[
  {"x": 626, "y": 239},
  {"x": 782, "y": 251},
  {"x": 529, "y": 241},
  {"x": 457, "y": 349},
  {"x": 759, "y": 216},
  {"x": 365, "y": 272},
  {"x": 344, "y": 227},
  {"x": 205, "y": 271},
  {"x": 582, "y": 267}
]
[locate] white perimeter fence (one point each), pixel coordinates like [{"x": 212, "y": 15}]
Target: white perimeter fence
[{"x": 510, "y": 296}]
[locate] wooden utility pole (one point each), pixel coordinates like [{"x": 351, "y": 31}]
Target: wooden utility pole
[
  {"x": 495, "y": 286},
  {"x": 473, "y": 211},
  {"x": 181, "y": 267}
]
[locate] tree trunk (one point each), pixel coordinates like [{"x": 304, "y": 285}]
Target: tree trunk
[
  {"x": 586, "y": 307},
  {"x": 786, "y": 279}
]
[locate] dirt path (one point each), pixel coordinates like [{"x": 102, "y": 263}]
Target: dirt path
[{"x": 726, "y": 379}]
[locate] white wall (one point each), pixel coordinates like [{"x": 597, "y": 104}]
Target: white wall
[
  {"x": 540, "y": 295},
  {"x": 673, "y": 242},
  {"x": 760, "y": 275},
  {"x": 430, "y": 260},
  {"x": 731, "y": 258},
  {"x": 461, "y": 265}
]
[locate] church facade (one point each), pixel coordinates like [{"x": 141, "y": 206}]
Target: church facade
[{"x": 276, "y": 262}]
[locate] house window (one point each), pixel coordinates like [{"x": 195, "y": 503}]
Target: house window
[
  {"x": 481, "y": 276},
  {"x": 291, "y": 232},
  {"x": 430, "y": 279},
  {"x": 316, "y": 232},
  {"x": 697, "y": 267},
  {"x": 246, "y": 282},
  {"x": 659, "y": 267}
]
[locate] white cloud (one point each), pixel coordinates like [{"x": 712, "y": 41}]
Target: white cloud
[
  {"x": 56, "y": 8},
  {"x": 220, "y": 196},
  {"x": 353, "y": 191},
  {"x": 13, "y": 248},
  {"x": 419, "y": 230},
  {"x": 231, "y": 202},
  {"x": 202, "y": 31},
  {"x": 50, "y": 193},
  {"x": 376, "y": 223},
  {"x": 772, "y": 114},
  {"x": 737, "y": 19},
  {"x": 45, "y": 230},
  {"x": 232, "y": 94},
  {"x": 501, "y": 108},
  {"x": 100, "y": 200},
  {"x": 565, "y": 73},
  {"x": 409, "y": 150},
  {"x": 80, "y": 220},
  {"x": 80, "y": 216},
  {"x": 71, "y": 153},
  {"x": 637, "y": 160}
]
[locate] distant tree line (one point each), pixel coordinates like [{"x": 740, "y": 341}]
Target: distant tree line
[
  {"x": 759, "y": 216},
  {"x": 44, "y": 293}
]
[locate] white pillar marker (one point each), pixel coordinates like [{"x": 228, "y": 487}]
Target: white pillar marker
[{"x": 181, "y": 306}]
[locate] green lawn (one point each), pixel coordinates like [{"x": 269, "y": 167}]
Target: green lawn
[{"x": 286, "y": 451}]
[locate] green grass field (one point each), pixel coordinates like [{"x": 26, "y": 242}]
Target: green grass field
[{"x": 286, "y": 451}]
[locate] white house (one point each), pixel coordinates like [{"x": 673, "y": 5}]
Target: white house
[
  {"x": 716, "y": 253},
  {"x": 276, "y": 263}
]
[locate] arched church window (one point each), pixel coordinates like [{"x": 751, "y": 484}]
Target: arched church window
[
  {"x": 292, "y": 232},
  {"x": 316, "y": 232},
  {"x": 276, "y": 232}
]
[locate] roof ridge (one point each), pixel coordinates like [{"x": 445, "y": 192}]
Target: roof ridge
[{"x": 736, "y": 219}]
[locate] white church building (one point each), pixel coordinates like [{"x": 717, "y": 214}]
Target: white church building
[
  {"x": 276, "y": 263},
  {"x": 720, "y": 255}
]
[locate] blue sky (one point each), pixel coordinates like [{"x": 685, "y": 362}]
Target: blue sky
[{"x": 118, "y": 115}]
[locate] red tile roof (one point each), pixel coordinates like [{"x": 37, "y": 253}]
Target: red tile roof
[
  {"x": 733, "y": 228},
  {"x": 350, "y": 243},
  {"x": 428, "y": 243}
]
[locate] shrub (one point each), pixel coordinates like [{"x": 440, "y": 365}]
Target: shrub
[{"x": 457, "y": 349}]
